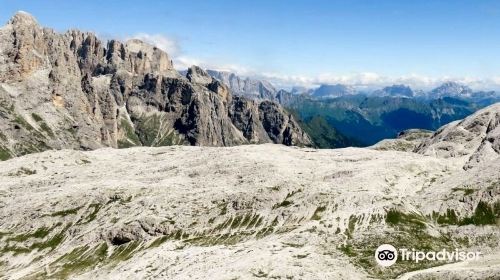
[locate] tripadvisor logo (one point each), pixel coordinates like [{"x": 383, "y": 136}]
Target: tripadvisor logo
[{"x": 386, "y": 255}]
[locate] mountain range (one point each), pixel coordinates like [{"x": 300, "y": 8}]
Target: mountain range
[
  {"x": 351, "y": 117},
  {"x": 73, "y": 90},
  {"x": 271, "y": 206}
]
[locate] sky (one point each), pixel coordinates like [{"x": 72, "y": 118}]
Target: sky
[{"x": 362, "y": 43}]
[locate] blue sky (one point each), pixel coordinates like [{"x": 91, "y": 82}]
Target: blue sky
[{"x": 302, "y": 42}]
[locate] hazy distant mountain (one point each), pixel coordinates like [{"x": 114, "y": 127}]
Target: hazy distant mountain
[
  {"x": 395, "y": 90},
  {"x": 301, "y": 90},
  {"x": 247, "y": 87},
  {"x": 369, "y": 119},
  {"x": 332, "y": 91},
  {"x": 451, "y": 89}
]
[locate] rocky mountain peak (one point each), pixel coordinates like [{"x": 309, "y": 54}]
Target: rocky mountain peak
[
  {"x": 197, "y": 75},
  {"x": 451, "y": 88},
  {"x": 23, "y": 18},
  {"x": 398, "y": 90},
  {"x": 149, "y": 58}
]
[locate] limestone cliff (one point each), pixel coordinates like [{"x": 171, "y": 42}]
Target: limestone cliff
[{"x": 73, "y": 90}]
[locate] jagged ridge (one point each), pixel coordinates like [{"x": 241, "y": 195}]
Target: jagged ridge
[{"x": 72, "y": 90}]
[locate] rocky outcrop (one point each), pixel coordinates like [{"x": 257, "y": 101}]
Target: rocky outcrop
[
  {"x": 72, "y": 90},
  {"x": 406, "y": 141},
  {"x": 475, "y": 139}
]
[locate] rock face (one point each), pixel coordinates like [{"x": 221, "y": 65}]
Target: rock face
[
  {"x": 246, "y": 87},
  {"x": 474, "y": 139},
  {"x": 72, "y": 90}
]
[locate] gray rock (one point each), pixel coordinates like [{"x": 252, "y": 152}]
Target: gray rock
[
  {"x": 72, "y": 90},
  {"x": 476, "y": 138}
]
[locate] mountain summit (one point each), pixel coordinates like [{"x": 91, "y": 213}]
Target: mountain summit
[{"x": 452, "y": 89}]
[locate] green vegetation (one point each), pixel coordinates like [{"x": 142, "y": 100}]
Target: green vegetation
[
  {"x": 22, "y": 122},
  {"x": 36, "y": 117},
  {"x": 323, "y": 134},
  {"x": 286, "y": 202},
  {"x": 484, "y": 214},
  {"x": 347, "y": 250},
  {"x": 39, "y": 233},
  {"x": 67, "y": 212},
  {"x": 152, "y": 131},
  {"x": 124, "y": 252},
  {"x": 369, "y": 119},
  {"x": 467, "y": 191},
  {"x": 351, "y": 226},
  {"x": 223, "y": 208},
  {"x": 397, "y": 218},
  {"x": 77, "y": 261},
  {"x": 317, "y": 213},
  {"x": 4, "y": 154},
  {"x": 35, "y": 145},
  {"x": 408, "y": 232},
  {"x": 46, "y": 128},
  {"x": 94, "y": 208},
  {"x": 450, "y": 218},
  {"x": 131, "y": 138},
  {"x": 52, "y": 243}
]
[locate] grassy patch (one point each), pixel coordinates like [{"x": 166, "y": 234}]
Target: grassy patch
[
  {"x": 467, "y": 191},
  {"x": 36, "y": 117},
  {"x": 484, "y": 214},
  {"x": 131, "y": 139},
  {"x": 66, "y": 212},
  {"x": 52, "y": 243},
  {"x": 45, "y": 127},
  {"x": 317, "y": 213},
  {"x": 94, "y": 209},
  {"x": 4, "y": 154},
  {"x": 397, "y": 218},
  {"x": 153, "y": 131},
  {"x": 39, "y": 233},
  {"x": 22, "y": 122},
  {"x": 450, "y": 218},
  {"x": 124, "y": 252},
  {"x": 77, "y": 261}
]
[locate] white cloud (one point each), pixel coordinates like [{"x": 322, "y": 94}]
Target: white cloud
[
  {"x": 169, "y": 45},
  {"x": 367, "y": 80}
]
